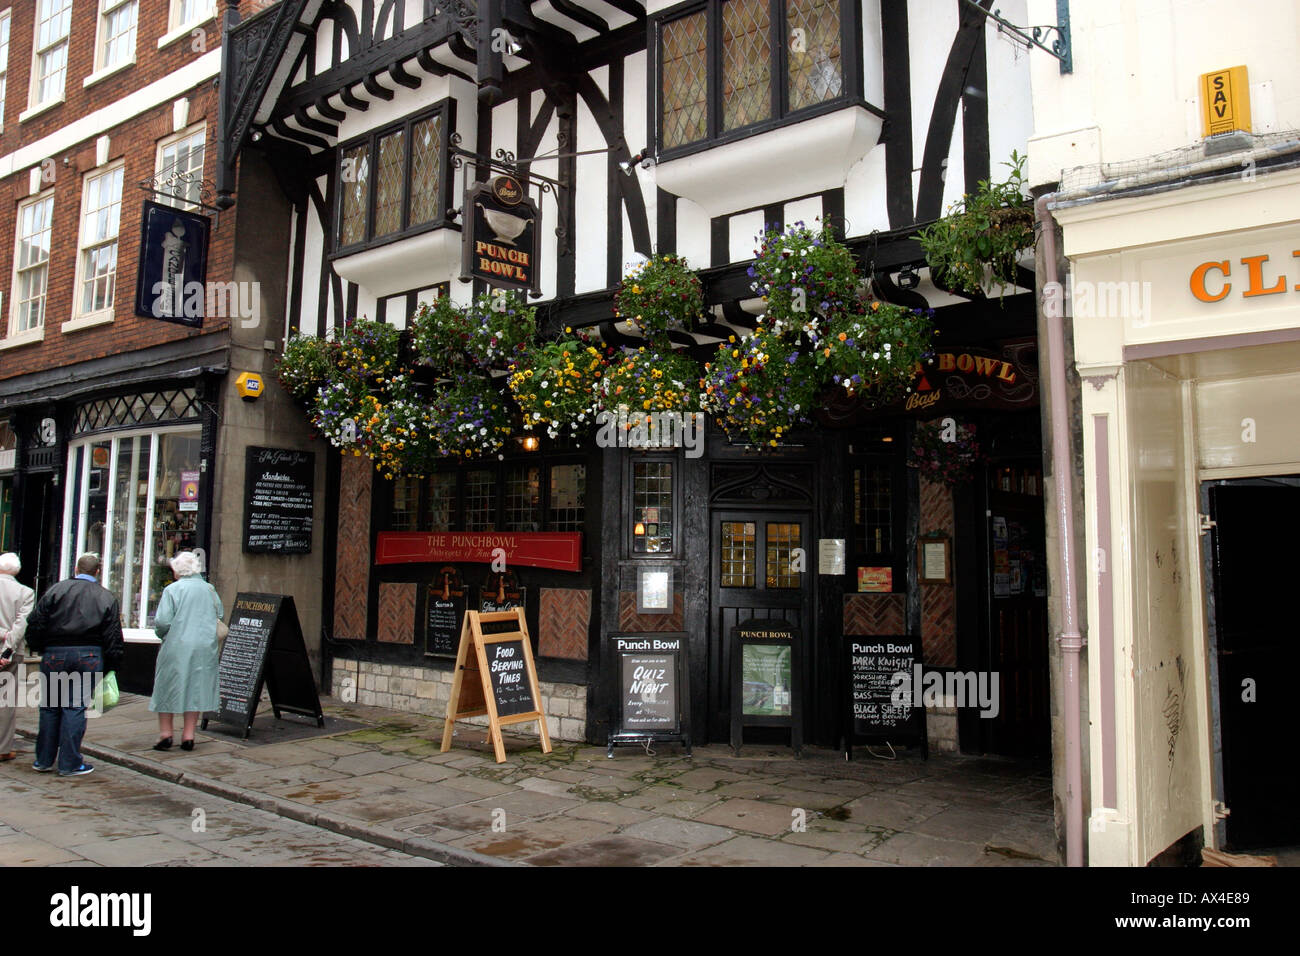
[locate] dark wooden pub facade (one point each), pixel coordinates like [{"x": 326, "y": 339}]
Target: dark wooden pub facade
[{"x": 663, "y": 140}]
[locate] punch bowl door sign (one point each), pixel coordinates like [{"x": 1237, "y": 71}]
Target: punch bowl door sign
[
  {"x": 171, "y": 278},
  {"x": 500, "y": 242},
  {"x": 766, "y": 679}
]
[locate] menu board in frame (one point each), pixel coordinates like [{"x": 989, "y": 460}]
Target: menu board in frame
[{"x": 766, "y": 679}]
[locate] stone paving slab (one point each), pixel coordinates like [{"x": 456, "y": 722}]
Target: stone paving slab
[{"x": 389, "y": 783}]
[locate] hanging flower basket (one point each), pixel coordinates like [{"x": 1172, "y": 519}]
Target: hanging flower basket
[
  {"x": 760, "y": 389},
  {"x": 981, "y": 241},
  {"x": 661, "y": 294},
  {"x": 875, "y": 354},
  {"x": 641, "y": 382},
  {"x": 339, "y": 409},
  {"x": 555, "y": 385},
  {"x": 947, "y": 454},
  {"x": 470, "y": 418},
  {"x": 369, "y": 349},
  {"x": 490, "y": 333},
  {"x": 306, "y": 365},
  {"x": 808, "y": 279},
  {"x": 399, "y": 431}
]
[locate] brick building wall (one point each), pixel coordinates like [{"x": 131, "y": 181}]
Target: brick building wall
[{"x": 52, "y": 141}]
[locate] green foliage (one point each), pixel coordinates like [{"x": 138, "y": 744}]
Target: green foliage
[
  {"x": 988, "y": 230},
  {"x": 661, "y": 294}
]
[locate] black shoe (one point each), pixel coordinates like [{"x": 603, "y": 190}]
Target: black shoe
[
  {"x": 164, "y": 743},
  {"x": 187, "y": 745}
]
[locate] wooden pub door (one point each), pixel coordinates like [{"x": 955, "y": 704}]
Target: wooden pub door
[{"x": 755, "y": 576}]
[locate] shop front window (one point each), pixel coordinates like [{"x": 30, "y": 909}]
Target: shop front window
[{"x": 134, "y": 500}]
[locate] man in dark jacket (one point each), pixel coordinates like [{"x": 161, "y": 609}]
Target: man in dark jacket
[{"x": 77, "y": 629}]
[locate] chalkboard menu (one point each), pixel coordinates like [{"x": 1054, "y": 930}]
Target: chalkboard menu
[
  {"x": 444, "y": 609},
  {"x": 511, "y": 689},
  {"x": 880, "y": 678},
  {"x": 500, "y": 592},
  {"x": 264, "y": 646},
  {"x": 278, "y": 489}
]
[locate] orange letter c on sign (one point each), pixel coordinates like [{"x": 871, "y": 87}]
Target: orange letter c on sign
[{"x": 1198, "y": 281}]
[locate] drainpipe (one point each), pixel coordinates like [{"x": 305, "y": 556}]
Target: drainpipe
[{"x": 1070, "y": 641}]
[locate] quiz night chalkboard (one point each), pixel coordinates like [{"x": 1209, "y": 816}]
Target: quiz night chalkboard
[
  {"x": 279, "y": 488},
  {"x": 879, "y": 682},
  {"x": 511, "y": 689},
  {"x": 264, "y": 648},
  {"x": 651, "y": 682}
]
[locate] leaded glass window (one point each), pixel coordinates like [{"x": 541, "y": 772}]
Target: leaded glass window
[
  {"x": 354, "y": 186},
  {"x": 685, "y": 80},
  {"x": 480, "y": 501},
  {"x": 426, "y": 169},
  {"x": 524, "y": 499},
  {"x": 746, "y": 63},
  {"x": 652, "y": 507},
  {"x": 388, "y": 186},
  {"x": 814, "y": 55},
  {"x": 568, "y": 490}
]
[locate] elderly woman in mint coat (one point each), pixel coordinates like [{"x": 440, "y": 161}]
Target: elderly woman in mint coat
[{"x": 185, "y": 678}]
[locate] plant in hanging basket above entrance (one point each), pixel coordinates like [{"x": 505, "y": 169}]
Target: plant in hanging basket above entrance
[
  {"x": 339, "y": 408},
  {"x": 369, "y": 349},
  {"x": 306, "y": 364},
  {"x": 760, "y": 388},
  {"x": 490, "y": 333},
  {"x": 807, "y": 279},
  {"x": 469, "y": 416},
  {"x": 875, "y": 354},
  {"x": 640, "y": 382},
  {"x": 661, "y": 294},
  {"x": 945, "y": 452},
  {"x": 399, "y": 431},
  {"x": 982, "y": 240},
  {"x": 555, "y": 385}
]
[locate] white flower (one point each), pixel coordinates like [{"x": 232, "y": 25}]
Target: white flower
[
  {"x": 875, "y": 355},
  {"x": 888, "y": 346}
]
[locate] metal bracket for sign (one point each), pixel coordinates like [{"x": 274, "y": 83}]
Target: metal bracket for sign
[
  {"x": 504, "y": 162},
  {"x": 1059, "y": 33},
  {"x": 168, "y": 178}
]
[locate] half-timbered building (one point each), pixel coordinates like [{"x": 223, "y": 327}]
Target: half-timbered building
[{"x": 654, "y": 127}]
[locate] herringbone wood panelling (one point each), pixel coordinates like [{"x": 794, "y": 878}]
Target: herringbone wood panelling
[
  {"x": 936, "y": 507},
  {"x": 868, "y": 615},
  {"x": 397, "y": 612},
  {"x": 632, "y": 622},
  {"x": 352, "y": 572},
  {"x": 564, "y": 617},
  {"x": 938, "y": 634}
]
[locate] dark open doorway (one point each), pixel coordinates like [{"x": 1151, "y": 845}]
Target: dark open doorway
[{"x": 1254, "y": 655}]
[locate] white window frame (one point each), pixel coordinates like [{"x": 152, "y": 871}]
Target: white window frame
[
  {"x": 104, "y": 69},
  {"x": 162, "y": 172},
  {"x": 80, "y": 317},
  {"x": 35, "y": 104},
  {"x": 6, "y": 23},
  {"x": 37, "y": 333},
  {"x": 176, "y": 28}
]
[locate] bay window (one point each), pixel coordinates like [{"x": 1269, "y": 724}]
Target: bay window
[
  {"x": 730, "y": 67},
  {"x": 393, "y": 182}
]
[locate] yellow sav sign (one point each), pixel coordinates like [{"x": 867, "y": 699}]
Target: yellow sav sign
[{"x": 1225, "y": 101}]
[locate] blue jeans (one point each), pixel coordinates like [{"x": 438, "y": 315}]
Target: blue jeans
[{"x": 64, "y": 697}]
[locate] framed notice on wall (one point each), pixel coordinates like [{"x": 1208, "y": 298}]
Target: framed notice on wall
[{"x": 934, "y": 560}]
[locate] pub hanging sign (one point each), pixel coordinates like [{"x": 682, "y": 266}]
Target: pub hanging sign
[
  {"x": 171, "y": 278},
  {"x": 500, "y": 241}
]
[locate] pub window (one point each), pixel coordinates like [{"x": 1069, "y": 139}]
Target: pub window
[
  {"x": 524, "y": 498},
  {"x": 480, "y": 501},
  {"x": 393, "y": 182},
  {"x": 783, "y": 541},
  {"x": 440, "y": 503},
  {"x": 738, "y": 554},
  {"x": 568, "y": 489},
  {"x": 652, "y": 507},
  {"x": 724, "y": 67},
  {"x": 873, "y": 508},
  {"x": 406, "y": 504}
]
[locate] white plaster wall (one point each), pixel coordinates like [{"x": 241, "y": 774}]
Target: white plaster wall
[{"x": 1137, "y": 64}]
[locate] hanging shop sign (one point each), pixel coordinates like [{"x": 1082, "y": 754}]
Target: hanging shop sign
[
  {"x": 172, "y": 275},
  {"x": 264, "y": 647},
  {"x": 878, "y": 698},
  {"x": 557, "y": 550},
  {"x": 653, "y": 691},
  {"x": 500, "y": 242},
  {"x": 765, "y": 679},
  {"x": 496, "y": 677}
]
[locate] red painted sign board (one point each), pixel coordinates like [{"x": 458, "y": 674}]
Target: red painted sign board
[{"x": 559, "y": 550}]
